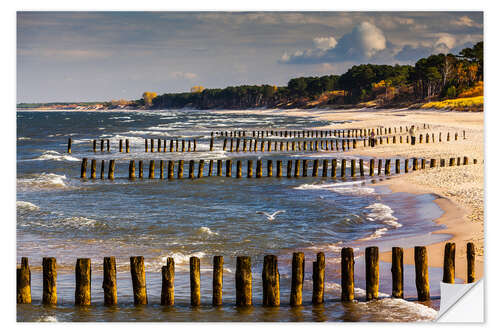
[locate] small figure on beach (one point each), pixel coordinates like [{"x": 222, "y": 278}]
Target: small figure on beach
[
  {"x": 413, "y": 134},
  {"x": 372, "y": 138}
]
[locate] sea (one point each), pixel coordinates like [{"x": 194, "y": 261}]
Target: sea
[{"x": 60, "y": 215}]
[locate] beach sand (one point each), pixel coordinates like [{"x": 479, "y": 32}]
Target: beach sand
[{"x": 460, "y": 189}]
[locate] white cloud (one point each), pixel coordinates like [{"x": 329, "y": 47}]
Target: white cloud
[
  {"x": 447, "y": 40},
  {"x": 369, "y": 38},
  {"x": 325, "y": 43},
  {"x": 184, "y": 75},
  {"x": 468, "y": 22}
]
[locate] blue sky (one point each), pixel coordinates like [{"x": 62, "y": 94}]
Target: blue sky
[{"x": 96, "y": 56}]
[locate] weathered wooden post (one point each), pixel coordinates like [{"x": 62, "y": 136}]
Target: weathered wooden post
[
  {"x": 109, "y": 281},
  {"x": 379, "y": 169},
  {"x": 23, "y": 282},
  {"x": 466, "y": 160},
  {"x": 433, "y": 163},
  {"x": 289, "y": 169},
  {"x": 229, "y": 168},
  {"x": 120, "y": 146},
  {"x": 171, "y": 146},
  {"x": 297, "y": 169},
  {"x": 93, "y": 167},
  {"x": 427, "y": 138},
  {"x": 422, "y": 273},
  {"x": 194, "y": 278},
  {"x": 342, "y": 168},
  {"x": 82, "y": 281},
  {"x": 138, "y": 280},
  {"x": 167, "y": 282},
  {"x": 146, "y": 145},
  {"x": 372, "y": 272},
  {"x": 325, "y": 168},
  {"x": 201, "y": 167},
  {"x": 397, "y": 272},
  {"x": 108, "y": 148},
  {"x": 415, "y": 164},
  {"x": 83, "y": 171},
  {"x": 304, "y": 168},
  {"x": 456, "y": 136},
  {"x": 423, "y": 162},
  {"x": 387, "y": 167},
  {"x": 49, "y": 296},
  {"x": 258, "y": 171},
  {"x": 471, "y": 257},
  {"x": 243, "y": 281},
  {"x": 102, "y": 169},
  {"x": 398, "y": 166},
  {"x": 238, "y": 169},
  {"x": 131, "y": 170},
  {"x": 94, "y": 145},
  {"x": 298, "y": 268},
  {"x": 361, "y": 168},
  {"x": 237, "y": 145},
  {"x": 315, "y": 168},
  {"x": 347, "y": 274},
  {"x": 250, "y": 169},
  {"x": 318, "y": 279},
  {"x": 151, "y": 169},
  {"x": 210, "y": 168},
  {"x": 180, "y": 169},
  {"x": 334, "y": 168},
  {"x": 111, "y": 170},
  {"x": 353, "y": 168},
  {"x": 217, "y": 281},
  {"x": 219, "y": 168},
  {"x": 448, "y": 137},
  {"x": 372, "y": 167},
  {"x": 442, "y": 163},
  {"x": 102, "y": 144},
  {"x": 183, "y": 145},
  {"x": 452, "y": 161},
  {"x": 189, "y": 145},
  {"x": 69, "y": 145},
  {"x": 270, "y": 168},
  {"x": 449, "y": 263},
  {"x": 270, "y": 281}
]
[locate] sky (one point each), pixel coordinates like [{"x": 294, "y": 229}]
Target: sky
[{"x": 100, "y": 56}]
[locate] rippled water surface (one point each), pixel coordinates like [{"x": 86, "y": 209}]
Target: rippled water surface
[{"x": 62, "y": 216}]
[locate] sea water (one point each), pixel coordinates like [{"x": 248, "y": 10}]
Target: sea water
[{"x": 61, "y": 216}]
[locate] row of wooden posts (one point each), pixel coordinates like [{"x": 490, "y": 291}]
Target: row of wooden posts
[
  {"x": 243, "y": 278},
  {"x": 349, "y": 133},
  {"x": 329, "y": 168}
]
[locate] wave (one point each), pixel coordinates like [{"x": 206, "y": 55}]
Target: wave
[
  {"x": 42, "y": 181},
  {"x": 23, "y": 138},
  {"x": 55, "y": 156},
  {"x": 382, "y": 213},
  {"x": 342, "y": 188},
  {"x": 48, "y": 319},
  {"x": 377, "y": 234},
  {"x": 121, "y": 117},
  {"x": 207, "y": 231},
  {"x": 26, "y": 206}
]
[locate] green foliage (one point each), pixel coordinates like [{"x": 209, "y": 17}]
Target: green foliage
[{"x": 451, "y": 92}]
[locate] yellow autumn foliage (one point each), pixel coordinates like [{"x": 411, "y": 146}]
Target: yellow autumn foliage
[
  {"x": 458, "y": 104},
  {"x": 148, "y": 97}
]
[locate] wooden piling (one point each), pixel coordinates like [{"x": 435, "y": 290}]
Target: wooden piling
[
  {"x": 120, "y": 146},
  {"x": 342, "y": 168},
  {"x": 111, "y": 170},
  {"x": 94, "y": 145},
  {"x": 347, "y": 274},
  {"x": 109, "y": 281},
  {"x": 379, "y": 169},
  {"x": 102, "y": 144},
  {"x": 191, "y": 169},
  {"x": 325, "y": 168},
  {"x": 270, "y": 281},
  {"x": 471, "y": 257},
  {"x": 397, "y": 272},
  {"x": 210, "y": 168},
  {"x": 270, "y": 168},
  {"x": 217, "y": 281},
  {"x": 421, "y": 273},
  {"x": 387, "y": 167},
  {"x": 318, "y": 279},
  {"x": 250, "y": 169},
  {"x": 49, "y": 296},
  {"x": 372, "y": 272},
  {"x": 449, "y": 263},
  {"x": 289, "y": 169},
  {"x": 151, "y": 169},
  {"x": 298, "y": 268},
  {"x": 433, "y": 163},
  {"x": 83, "y": 171},
  {"x": 127, "y": 146},
  {"x": 297, "y": 169},
  {"x": 452, "y": 161},
  {"x": 415, "y": 164},
  {"x": 131, "y": 170},
  {"x": 93, "y": 167},
  {"x": 258, "y": 171},
  {"x": 102, "y": 169},
  {"x": 146, "y": 145},
  {"x": 229, "y": 168},
  {"x": 334, "y": 168},
  {"x": 372, "y": 167},
  {"x": 23, "y": 282},
  {"x": 398, "y": 166},
  {"x": 108, "y": 146},
  {"x": 180, "y": 169},
  {"x": 82, "y": 281},
  {"x": 304, "y": 168},
  {"x": 138, "y": 280},
  {"x": 423, "y": 163},
  {"x": 167, "y": 283},
  {"x": 219, "y": 168},
  {"x": 243, "y": 281},
  {"x": 194, "y": 278},
  {"x": 69, "y": 145}
]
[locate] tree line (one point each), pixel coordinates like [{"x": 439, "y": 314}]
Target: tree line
[{"x": 434, "y": 77}]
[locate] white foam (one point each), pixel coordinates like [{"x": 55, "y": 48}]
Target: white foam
[
  {"x": 342, "y": 188},
  {"x": 377, "y": 234},
  {"x": 23, "y": 138},
  {"x": 56, "y": 156},
  {"x": 122, "y": 117},
  {"x": 382, "y": 213},
  {"x": 24, "y": 205},
  {"x": 206, "y": 230},
  {"x": 44, "y": 180},
  {"x": 48, "y": 319}
]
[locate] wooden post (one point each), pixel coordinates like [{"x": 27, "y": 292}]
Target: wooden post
[
  {"x": 83, "y": 171},
  {"x": 210, "y": 168},
  {"x": 194, "y": 278},
  {"x": 433, "y": 162},
  {"x": 162, "y": 169},
  {"x": 318, "y": 279},
  {"x": 191, "y": 169},
  {"x": 83, "y": 280},
  {"x": 138, "y": 280},
  {"x": 250, "y": 169},
  {"x": 183, "y": 145},
  {"x": 325, "y": 168},
  {"x": 167, "y": 282},
  {"x": 229, "y": 167},
  {"x": 93, "y": 167},
  {"x": 353, "y": 168},
  {"x": 449, "y": 263},
  {"x": 170, "y": 170},
  {"x": 217, "y": 281},
  {"x": 109, "y": 281},
  {"x": 289, "y": 169},
  {"x": 219, "y": 168},
  {"x": 452, "y": 161},
  {"x": 297, "y": 168},
  {"x": 120, "y": 148},
  {"x": 201, "y": 167},
  {"x": 442, "y": 163},
  {"x": 304, "y": 168},
  {"x": 342, "y": 168},
  {"x": 69, "y": 145},
  {"x": 94, "y": 145},
  {"x": 372, "y": 167},
  {"x": 23, "y": 280},
  {"x": 466, "y": 160},
  {"x": 238, "y": 169},
  {"x": 270, "y": 168},
  {"x": 471, "y": 256},
  {"x": 298, "y": 268},
  {"x": 387, "y": 167},
  {"x": 108, "y": 148},
  {"x": 347, "y": 274},
  {"x": 127, "y": 146},
  {"x": 49, "y": 281},
  {"x": 397, "y": 272},
  {"x": 270, "y": 281},
  {"x": 398, "y": 166},
  {"x": 415, "y": 164},
  {"x": 422, "y": 273},
  {"x": 379, "y": 167},
  {"x": 334, "y": 168},
  {"x": 102, "y": 144},
  {"x": 151, "y": 169},
  {"x": 243, "y": 281},
  {"x": 111, "y": 170},
  {"x": 180, "y": 169},
  {"x": 372, "y": 272},
  {"x": 146, "y": 145},
  {"x": 131, "y": 170},
  {"x": 102, "y": 169},
  {"x": 422, "y": 163}
]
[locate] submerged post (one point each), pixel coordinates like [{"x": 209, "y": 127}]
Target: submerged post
[
  {"x": 138, "y": 280},
  {"x": 298, "y": 265},
  {"x": 111, "y": 170},
  {"x": 258, "y": 171},
  {"x": 109, "y": 281},
  {"x": 167, "y": 282},
  {"x": 250, "y": 169},
  {"x": 217, "y": 281},
  {"x": 23, "y": 280},
  {"x": 372, "y": 272},
  {"x": 194, "y": 277},
  {"x": 397, "y": 272},
  {"x": 49, "y": 296},
  {"x": 347, "y": 274},
  {"x": 270, "y": 281},
  {"x": 83, "y": 172},
  {"x": 93, "y": 167},
  {"x": 342, "y": 168},
  {"x": 243, "y": 281},
  {"x": 69, "y": 145},
  {"x": 82, "y": 281},
  {"x": 422, "y": 273},
  {"x": 318, "y": 279}
]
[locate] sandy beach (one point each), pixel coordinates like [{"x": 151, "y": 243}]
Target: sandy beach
[{"x": 460, "y": 190}]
